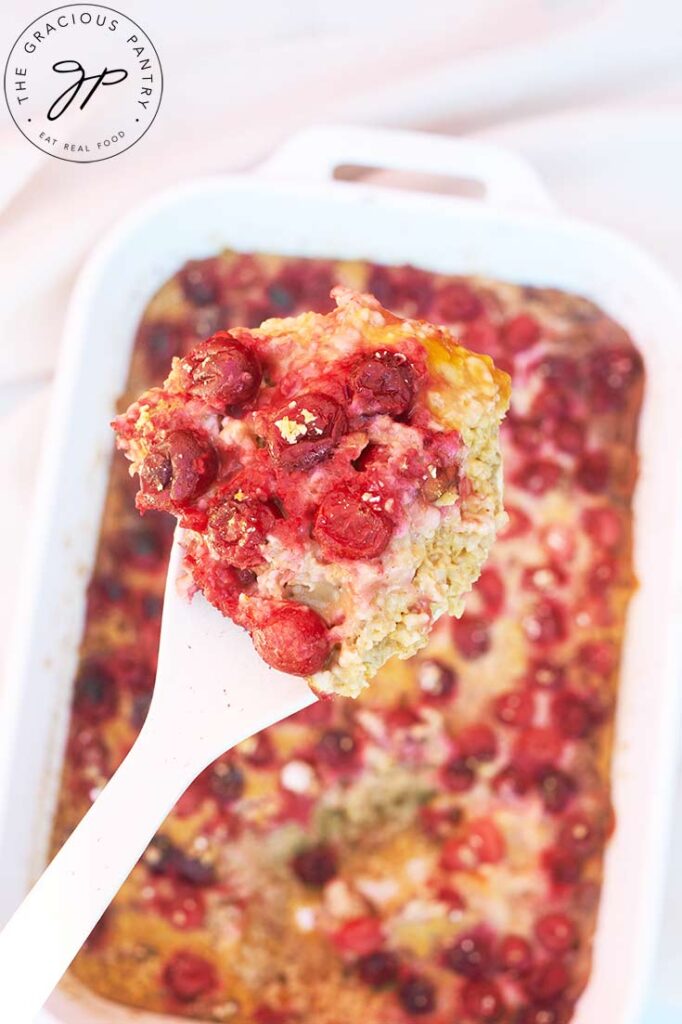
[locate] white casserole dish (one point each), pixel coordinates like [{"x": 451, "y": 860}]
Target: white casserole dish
[{"x": 292, "y": 206}]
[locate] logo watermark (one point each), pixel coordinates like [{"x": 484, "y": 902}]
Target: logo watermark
[{"x": 83, "y": 82}]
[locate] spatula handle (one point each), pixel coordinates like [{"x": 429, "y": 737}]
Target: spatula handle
[{"x": 43, "y": 936}]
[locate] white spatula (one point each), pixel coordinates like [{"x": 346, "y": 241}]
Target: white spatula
[{"x": 212, "y": 691}]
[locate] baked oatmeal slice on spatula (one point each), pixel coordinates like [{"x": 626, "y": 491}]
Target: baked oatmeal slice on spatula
[{"x": 337, "y": 484}]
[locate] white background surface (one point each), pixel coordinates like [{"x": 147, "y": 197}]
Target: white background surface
[{"x": 590, "y": 91}]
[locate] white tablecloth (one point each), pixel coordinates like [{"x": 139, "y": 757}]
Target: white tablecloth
[{"x": 590, "y": 91}]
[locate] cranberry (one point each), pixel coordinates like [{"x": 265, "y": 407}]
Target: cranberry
[
  {"x": 306, "y": 430},
  {"x": 546, "y": 675},
  {"x": 482, "y": 1001},
  {"x": 515, "y": 708},
  {"x": 179, "y": 903},
  {"x": 563, "y": 866},
  {"x": 383, "y": 384},
  {"x": 182, "y": 466},
  {"x": 259, "y": 751},
  {"x": 545, "y": 623},
  {"x": 490, "y": 589},
  {"x": 543, "y": 577},
  {"x": 480, "y": 842},
  {"x": 471, "y": 954},
  {"x": 538, "y": 746},
  {"x": 350, "y": 526},
  {"x": 556, "y": 1013},
  {"x": 512, "y": 781},
  {"x": 572, "y": 716},
  {"x": 598, "y": 656},
  {"x": 378, "y": 969},
  {"x": 360, "y": 935},
  {"x": 417, "y": 996},
  {"x": 223, "y": 371},
  {"x": 521, "y": 332},
  {"x": 604, "y": 525},
  {"x": 337, "y": 748},
  {"x": 527, "y": 434},
  {"x": 477, "y": 742},
  {"x": 556, "y": 932},
  {"x": 580, "y": 835},
  {"x": 471, "y": 635},
  {"x": 514, "y": 955},
  {"x": 547, "y": 981},
  {"x": 613, "y": 372},
  {"x": 225, "y": 782},
  {"x": 189, "y": 976},
  {"x": 237, "y": 529},
  {"x": 143, "y": 545},
  {"x": 95, "y": 698},
  {"x": 483, "y": 336},
  {"x": 293, "y": 639},
  {"x": 456, "y": 301},
  {"x": 316, "y": 865},
  {"x": 556, "y": 789},
  {"x": 517, "y": 525},
  {"x": 160, "y": 342},
  {"x": 592, "y": 472},
  {"x": 436, "y": 680},
  {"x": 538, "y": 476},
  {"x": 569, "y": 436},
  {"x": 457, "y": 775},
  {"x": 199, "y": 283}
]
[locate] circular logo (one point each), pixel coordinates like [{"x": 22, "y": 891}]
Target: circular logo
[{"x": 83, "y": 82}]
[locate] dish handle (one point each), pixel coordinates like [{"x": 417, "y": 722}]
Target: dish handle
[{"x": 317, "y": 154}]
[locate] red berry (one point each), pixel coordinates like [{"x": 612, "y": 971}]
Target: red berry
[
  {"x": 547, "y": 981},
  {"x": 538, "y": 746},
  {"x": 471, "y": 954},
  {"x": 579, "y": 835},
  {"x": 518, "y": 524},
  {"x": 556, "y": 932},
  {"x": 293, "y": 639},
  {"x": 180, "y": 903},
  {"x": 538, "y": 476},
  {"x": 563, "y": 866},
  {"x": 189, "y": 976},
  {"x": 479, "y": 842},
  {"x": 543, "y": 578},
  {"x": 556, "y": 1013},
  {"x": 598, "y": 656},
  {"x": 482, "y": 1001},
  {"x": 350, "y": 526},
  {"x": 572, "y": 716},
  {"x": 546, "y": 675},
  {"x": 515, "y": 708},
  {"x": 477, "y": 742},
  {"x": 556, "y": 789},
  {"x": 457, "y": 775},
  {"x": 512, "y": 781},
  {"x": 471, "y": 635},
  {"x": 306, "y": 430},
  {"x": 436, "y": 680},
  {"x": 482, "y": 336},
  {"x": 417, "y": 996},
  {"x": 592, "y": 472},
  {"x": 95, "y": 698},
  {"x": 223, "y": 371},
  {"x": 179, "y": 468},
  {"x": 603, "y": 575},
  {"x": 604, "y": 525},
  {"x": 527, "y": 434},
  {"x": 613, "y": 372},
  {"x": 521, "y": 332},
  {"x": 360, "y": 936},
  {"x": 514, "y": 955},
  {"x": 383, "y": 384},
  {"x": 225, "y": 782},
  {"x": 337, "y": 748},
  {"x": 545, "y": 623},
  {"x": 160, "y": 342},
  {"x": 237, "y": 529},
  {"x": 199, "y": 282},
  {"x": 569, "y": 435},
  {"x": 316, "y": 865},
  {"x": 378, "y": 969},
  {"x": 559, "y": 541},
  {"x": 490, "y": 589},
  {"x": 456, "y": 301}
]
